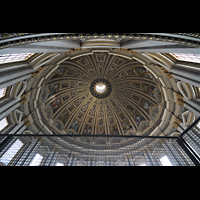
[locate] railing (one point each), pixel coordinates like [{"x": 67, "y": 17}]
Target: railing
[
  {"x": 53, "y": 150},
  {"x": 98, "y": 150},
  {"x": 191, "y": 140}
]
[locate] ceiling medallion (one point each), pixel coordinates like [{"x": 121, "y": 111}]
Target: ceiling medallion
[{"x": 100, "y": 88}]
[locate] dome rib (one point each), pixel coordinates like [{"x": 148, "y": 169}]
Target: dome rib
[
  {"x": 76, "y": 66},
  {"x": 71, "y": 108},
  {"x": 118, "y": 124}
]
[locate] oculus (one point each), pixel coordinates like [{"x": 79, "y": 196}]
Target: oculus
[{"x": 100, "y": 88}]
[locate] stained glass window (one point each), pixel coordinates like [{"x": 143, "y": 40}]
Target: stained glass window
[
  {"x": 2, "y": 92},
  {"x": 6, "y": 58},
  {"x": 187, "y": 57}
]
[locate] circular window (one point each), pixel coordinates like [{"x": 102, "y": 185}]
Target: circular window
[{"x": 100, "y": 88}]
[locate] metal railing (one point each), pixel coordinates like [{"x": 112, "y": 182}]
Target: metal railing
[
  {"x": 98, "y": 150},
  {"x": 190, "y": 138},
  {"x": 40, "y": 150}
]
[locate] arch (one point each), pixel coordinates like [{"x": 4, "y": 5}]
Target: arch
[
  {"x": 187, "y": 117},
  {"x": 183, "y": 88},
  {"x": 100, "y": 163},
  {"x": 18, "y": 116},
  {"x": 119, "y": 163},
  {"x": 27, "y": 132},
  {"x": 81, "y": 163},
  {"x": 62, "y": 158},
  {"x": 20, "y": 89},
  {"x": 44, "y": 151},
  {"x": 175, "y": 134},
  {"x": 139, "y": 160}
]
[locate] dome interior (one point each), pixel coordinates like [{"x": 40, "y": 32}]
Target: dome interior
[{"x": 101, "y": 94}]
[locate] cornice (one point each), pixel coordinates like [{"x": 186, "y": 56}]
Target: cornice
[{"x": 14, "y": 39}]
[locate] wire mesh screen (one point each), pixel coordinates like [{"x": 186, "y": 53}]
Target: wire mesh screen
[
  {"x": 52, "y": 150},
  {"x": 192, "y": 137}
]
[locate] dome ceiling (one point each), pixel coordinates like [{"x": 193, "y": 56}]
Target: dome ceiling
[{"x": 100, "y": 94}]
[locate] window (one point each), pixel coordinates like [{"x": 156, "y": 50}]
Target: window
[
  {"x": 187, "y": 57},
  {"x": 2, "y": 92},
  {"x": 11, "y": 152},
  {"x": 165, "y": 161},
  {"x": 100, "y": 88},
  {"x": 59, "y": 164},
  {"x": 198, "y": 125},
  {"x": 36, "y": 160},
  {"x": 6, "y": 58},
  {"x": 3, "y": 124}
]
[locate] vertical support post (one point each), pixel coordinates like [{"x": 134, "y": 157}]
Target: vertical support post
[
  {"x": 166, "y": 146},
  {"x": 192, "y": 155}
]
